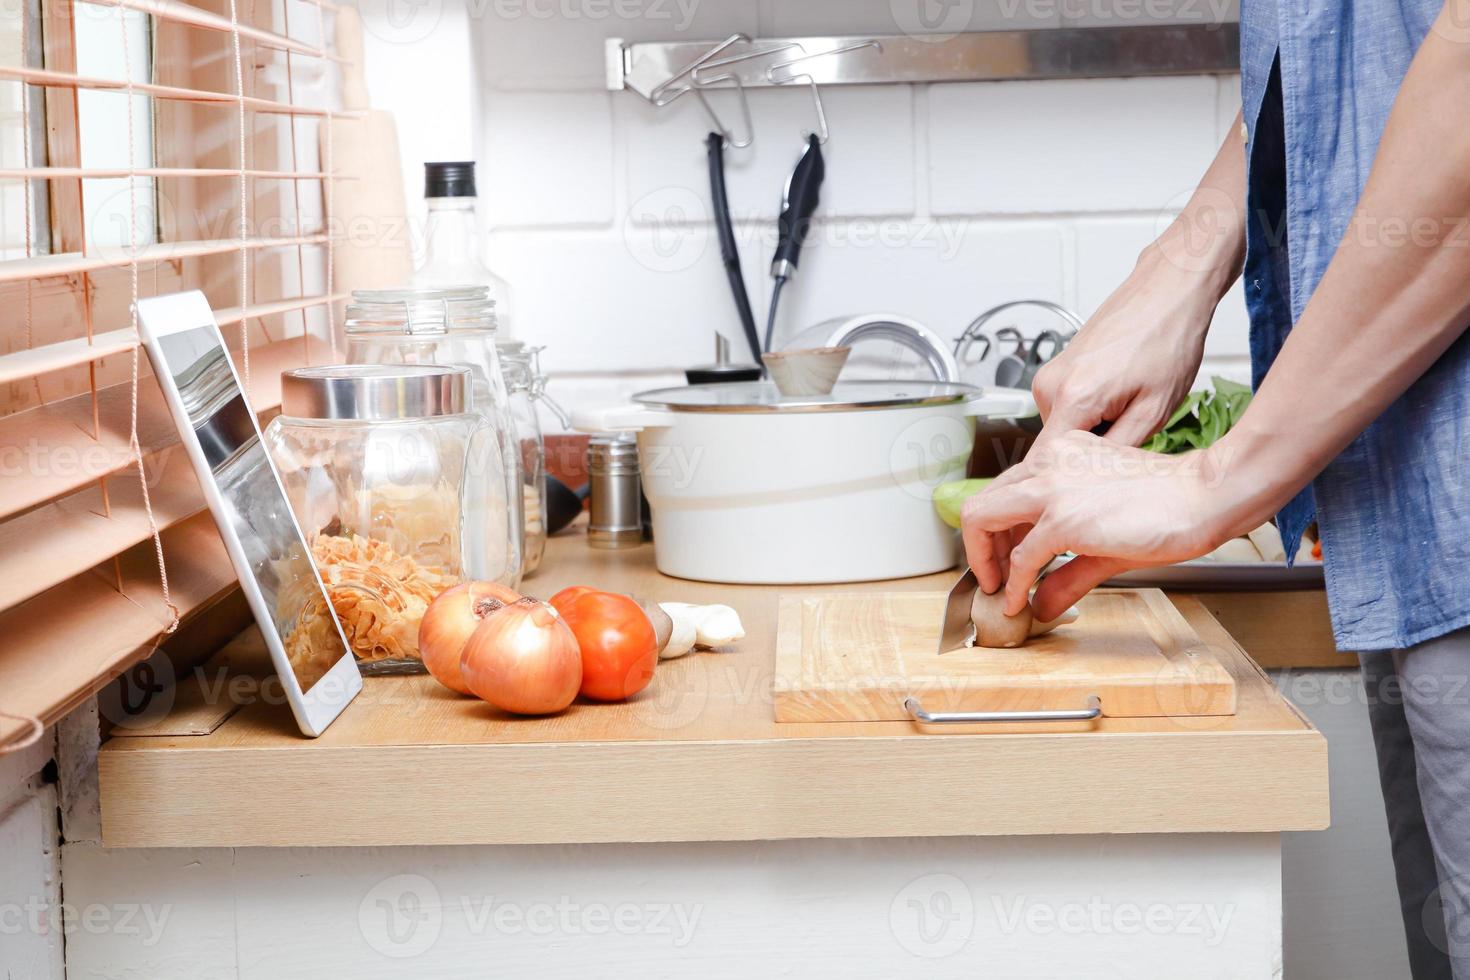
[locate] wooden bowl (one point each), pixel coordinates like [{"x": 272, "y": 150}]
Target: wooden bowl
[{"x": 806, "y": 372}]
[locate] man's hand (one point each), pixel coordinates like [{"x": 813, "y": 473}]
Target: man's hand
[
  {"x": 1134, "y": 360},
  {"x": 1115, "y": 506}
]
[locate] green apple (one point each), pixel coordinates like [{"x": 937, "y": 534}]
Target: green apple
[{"x": 949, "y": 498}]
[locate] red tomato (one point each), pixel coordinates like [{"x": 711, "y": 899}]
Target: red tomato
[
  {"x": 619, "y": 649},
  {"x": 564, "y": 598}
]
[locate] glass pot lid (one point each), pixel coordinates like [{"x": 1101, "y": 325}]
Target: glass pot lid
[{"x": 846, "y": 396}]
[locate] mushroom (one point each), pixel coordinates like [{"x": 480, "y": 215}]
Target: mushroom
[
  {"x": 663, "y": 623},
  {"x": 993, "y": 628}
]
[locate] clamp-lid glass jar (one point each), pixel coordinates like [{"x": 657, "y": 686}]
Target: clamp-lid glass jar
[
  {"x": 526, "y": 385},
  {"x": 453, "y": 325},
  {"x": 392, "y": 479}
]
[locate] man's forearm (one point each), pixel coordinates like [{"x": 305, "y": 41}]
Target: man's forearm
[{"x": 1395, "y": 296}]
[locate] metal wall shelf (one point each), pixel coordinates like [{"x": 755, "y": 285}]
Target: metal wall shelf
[{"x": 987, "y": 56}]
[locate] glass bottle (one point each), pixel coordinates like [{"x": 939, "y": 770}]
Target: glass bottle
[
  {"x": 452, "y": 238},
  {"x": 449, "y": 327},
  {"x": 526, "y": 385}
]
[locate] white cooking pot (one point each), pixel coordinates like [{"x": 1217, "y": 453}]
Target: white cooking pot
[{"x": 747, "y": 486}]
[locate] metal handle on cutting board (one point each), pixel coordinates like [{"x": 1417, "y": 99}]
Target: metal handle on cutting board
[{"x": 917, "y": 712}]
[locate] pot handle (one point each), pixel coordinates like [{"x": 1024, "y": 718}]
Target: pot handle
[
  {"x": 620, "y": 418},
  {"x": 1002, "y": 403}
]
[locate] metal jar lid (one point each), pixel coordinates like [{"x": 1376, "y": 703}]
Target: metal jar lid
[
  {"x": 846, "y": 396},
  {"x": 375, "y": 392},
  {"x": 413, "y": 310}
]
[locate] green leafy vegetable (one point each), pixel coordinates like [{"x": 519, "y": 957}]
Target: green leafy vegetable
[
  {"x": 1202, "y": 418},
  {"x": 949, "y": 498}
]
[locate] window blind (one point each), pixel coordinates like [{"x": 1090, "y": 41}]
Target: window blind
[{"x": 203, "y": 171}]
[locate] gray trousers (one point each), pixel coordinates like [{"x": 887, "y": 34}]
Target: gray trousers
[{"x": 1419, "y": 706}]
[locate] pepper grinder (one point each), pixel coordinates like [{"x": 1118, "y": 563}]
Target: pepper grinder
[{"x": 615, "y": 493}]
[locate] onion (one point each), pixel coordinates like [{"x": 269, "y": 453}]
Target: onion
[
  {"x": 523, "y": 659},
  {"x": 448, "y": 623}
]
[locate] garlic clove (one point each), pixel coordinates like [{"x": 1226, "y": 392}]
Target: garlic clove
[
  {"x": 684, "y": 632},
  {"x": 713, "y": 626},
  {"x": 716, "y": 626}
]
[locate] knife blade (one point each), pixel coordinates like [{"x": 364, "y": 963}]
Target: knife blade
[{"x": 956, "y": 629}]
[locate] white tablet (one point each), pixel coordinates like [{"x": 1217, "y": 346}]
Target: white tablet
[{"x": 244, "y": 492}]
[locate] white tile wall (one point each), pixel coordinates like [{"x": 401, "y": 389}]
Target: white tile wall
[
  {"x": 940, "y": 200},
  {"x": 1106, "y": 251},
  {"x": 1073, "y": 145},
  {"x": 547, "y": 159}
]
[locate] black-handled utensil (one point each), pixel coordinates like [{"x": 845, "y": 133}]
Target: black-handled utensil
[
  {"x": 715, "y": 148},
  {"x": 798, "y": 202}
]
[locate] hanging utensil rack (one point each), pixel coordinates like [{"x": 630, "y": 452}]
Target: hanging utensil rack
[{"x": 984, "y": 56}]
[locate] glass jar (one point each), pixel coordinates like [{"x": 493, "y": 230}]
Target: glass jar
[
  {"x": 526, "y": 385},
  {"x": 391, "y": 477},
  {"x": 448, "y": 326}
]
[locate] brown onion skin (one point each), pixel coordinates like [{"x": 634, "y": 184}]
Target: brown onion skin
[
  {"x": 448, "y": 623},
  {"x": 523, "y": 659}
]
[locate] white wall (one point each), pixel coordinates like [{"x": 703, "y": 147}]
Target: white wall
[
  {"x": 31, "y": 922},
  {"x": 940, "y": 200}
]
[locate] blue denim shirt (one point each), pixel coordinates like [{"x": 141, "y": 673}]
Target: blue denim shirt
[{"x": 1317, "y": 82}]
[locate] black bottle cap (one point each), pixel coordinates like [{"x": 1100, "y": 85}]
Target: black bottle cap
[{"x": 454, "y": 178}]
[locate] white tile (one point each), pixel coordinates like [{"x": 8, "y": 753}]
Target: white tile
[
  {"x": 1141, "y": 13},
  {"x": 1106, "y": 252},
  {"x": 637, "y": 298},
  {"x": 558, "y": 44},
  {"x": 547, "y": 159},
  {"x": 941, "y": 274},
  {"x": 869, "y": 157},
  {"x": 914, "y": 17},
  {"x": 1075, "y": 145}
]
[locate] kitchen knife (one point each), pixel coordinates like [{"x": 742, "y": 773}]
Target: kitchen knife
[{"x": 957, "y": 628}]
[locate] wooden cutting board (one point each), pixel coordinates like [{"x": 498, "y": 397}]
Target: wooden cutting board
[{"x": 850, "y": 657}]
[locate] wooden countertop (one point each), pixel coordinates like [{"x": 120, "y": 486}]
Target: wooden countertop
[{"x": 697, "y": 756}]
